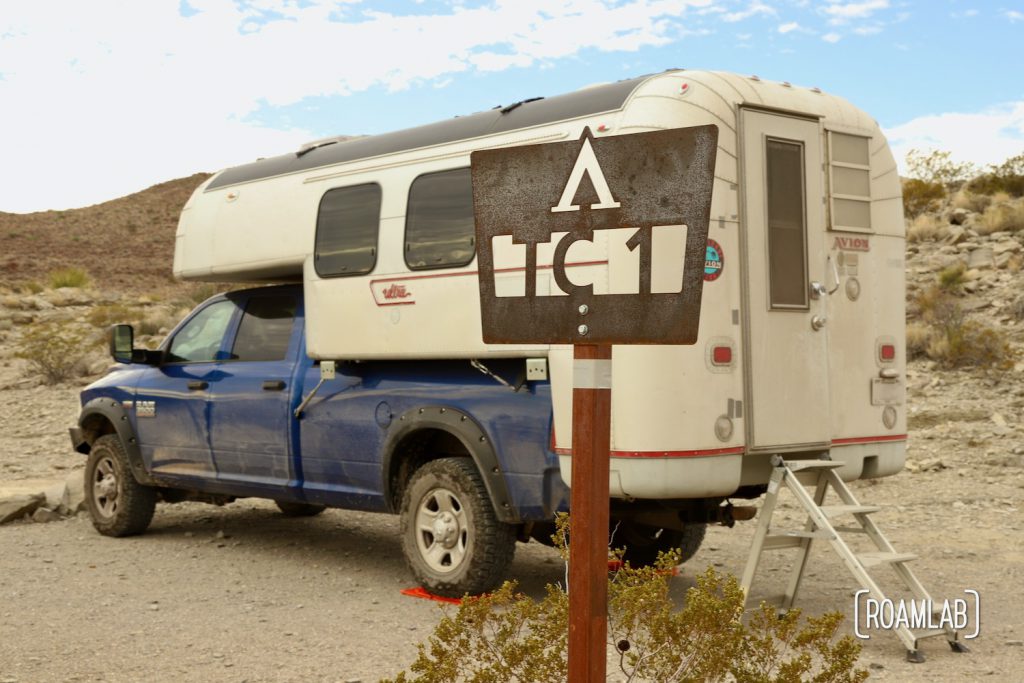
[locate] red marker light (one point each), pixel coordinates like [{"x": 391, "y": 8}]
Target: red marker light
[
  {"x": 721, "y": 355},
  {"x": 887, "y": 352}
]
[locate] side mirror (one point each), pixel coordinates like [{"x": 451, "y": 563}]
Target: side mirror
[{"x": 122, "y": 339}]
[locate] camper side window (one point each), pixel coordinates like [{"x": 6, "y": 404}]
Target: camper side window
[
  {"x": 849, "y": 182},
  {"x": 439, "y": 229},
  {"x": 346, "y": 231}
]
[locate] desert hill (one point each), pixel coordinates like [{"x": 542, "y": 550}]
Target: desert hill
[{"x": 125, "y": 245}]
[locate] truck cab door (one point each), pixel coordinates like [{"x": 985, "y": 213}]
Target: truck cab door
[
  {"x": 170, "y": 402},
  {"x": 251, "y": 402}
]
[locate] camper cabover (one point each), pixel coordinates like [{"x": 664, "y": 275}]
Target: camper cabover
[{"x": 800, "y": 349}]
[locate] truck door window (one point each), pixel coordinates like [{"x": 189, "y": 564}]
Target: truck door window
[
  {"x": 200, "y": 338},
  {"x": 346, "y": 231},
  {"x": 787, "y": 239},
  {"x": 439, "y": 229},
  {"x": 266, "y": 328}
]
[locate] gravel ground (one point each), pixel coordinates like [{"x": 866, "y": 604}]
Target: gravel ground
[{"x": 240, "y": 593}]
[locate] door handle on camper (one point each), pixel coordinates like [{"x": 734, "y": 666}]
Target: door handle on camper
[
  {"x": 197, "y": 385},
  {"x": 273, "y": 385}
]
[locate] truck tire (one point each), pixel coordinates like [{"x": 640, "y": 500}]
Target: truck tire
[
  {"x": 642, "y": 543},
  {"x": 452, "y": 540},
  {"x": 118, "y": 505},
  {"x": 299, "y": 509}
]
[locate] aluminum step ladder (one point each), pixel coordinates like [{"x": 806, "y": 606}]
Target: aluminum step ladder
[{"x": 819, "y": 525}]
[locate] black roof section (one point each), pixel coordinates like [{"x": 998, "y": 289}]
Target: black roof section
[{"x": 523, "y": 114}]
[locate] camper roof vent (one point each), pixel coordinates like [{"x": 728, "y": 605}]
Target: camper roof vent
[{"x": 323, "y": 142}]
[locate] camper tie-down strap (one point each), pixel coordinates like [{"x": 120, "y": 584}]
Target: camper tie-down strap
[{"x": 592, "y": 373}]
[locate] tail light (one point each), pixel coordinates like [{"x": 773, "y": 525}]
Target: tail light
[{"x": 887, "y": 353}]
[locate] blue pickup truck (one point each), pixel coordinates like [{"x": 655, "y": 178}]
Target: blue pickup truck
[{"x": 231, "y": 406}]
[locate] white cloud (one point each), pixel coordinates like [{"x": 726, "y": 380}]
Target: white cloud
[
  {"x": 1013, "y": 15},
  {"x": 840, "y": 11},
  {"x": 987, "y": 137},
  {"x": 831, "y": 37},
  {"x": 789, "y": 26},
  {"x": 753, "y": 9},
  {"x": 874, "y": 29},
  {"x": 106, "y": 97}
]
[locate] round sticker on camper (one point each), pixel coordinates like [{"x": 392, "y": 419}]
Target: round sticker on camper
[{"x": 714, "y": 261}]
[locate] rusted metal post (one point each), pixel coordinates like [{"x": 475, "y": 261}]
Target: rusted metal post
[{"x": 588, "y": 531}]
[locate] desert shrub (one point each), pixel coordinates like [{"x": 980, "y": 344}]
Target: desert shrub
[
  {"x": 919, "y": 335},
  {"x": 107, "y": 315},
  {"x": 936, "y": 166},
  {"x": 966, "y": 199},
  {"x": 925, "y": 301},
  {"x": 506, "y": 636},
  {"x": 53, "y": 351},
  {"x": 152, "y": 324},
  {"x": 204, "y": 291},
  {"x": 924, "y": 227},
  {"x": 957, "y": 341},
  {"x": 1006, "y": 177},
  {"x": 1002, "y": 217},
  {"x": 68, "y": 277},
  {"x": 1016, "y": 309},
  {"x": 952, "y": 279},
  {"x": 921, "y": 196}
]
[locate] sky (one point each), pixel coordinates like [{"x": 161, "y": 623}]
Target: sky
[{"x": 102, "y": 98}]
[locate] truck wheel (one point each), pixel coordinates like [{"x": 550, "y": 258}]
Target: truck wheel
[
  {"x": 119, "y": 505},
  {"x": 642, "y": 543},
  {"x": 299, "y": 509},
  {"x": 452, "y": 539}
]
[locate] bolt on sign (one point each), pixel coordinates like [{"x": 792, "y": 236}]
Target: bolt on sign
[{"x": 594, "y": 241}]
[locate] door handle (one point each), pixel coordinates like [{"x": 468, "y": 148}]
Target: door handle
[
  {"x": 273, "y": 385},
  {"x": 197, "y": 385}
]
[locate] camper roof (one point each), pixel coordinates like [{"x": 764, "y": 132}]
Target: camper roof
[{"x": 591, "y": 100}]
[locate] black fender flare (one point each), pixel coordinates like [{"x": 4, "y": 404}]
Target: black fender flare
[
  {"x": 115, "y": 413},
  {"x": 472, "y": 437}
]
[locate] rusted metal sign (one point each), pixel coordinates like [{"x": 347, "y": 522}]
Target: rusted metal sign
[{"x": 536, "y": 207}]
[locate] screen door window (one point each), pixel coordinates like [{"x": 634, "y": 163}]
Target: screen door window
[{"x": 787, "y": 225}]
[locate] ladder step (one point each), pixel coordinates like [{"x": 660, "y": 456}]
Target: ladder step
[
  {"x": 798, "y": 465},
  {"x": 831, "y": 511},
  {"x": 876, "y": 558},
  {"x": 850, "y": 529},
  {"x": 929, "y": 633},
  {"x": 792, "y": 539}
]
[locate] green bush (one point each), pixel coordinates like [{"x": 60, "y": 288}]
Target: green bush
[
  {"x": 921, "y": 196},
  {"x": 936, "y": 166},
  {"x": 953, "y": 340},
  {"x": 952, "y": 279},
  {"x": 507, "y": 637},
  {"x": 53, "y": 351},
  {"x": 1006, "y": 177},
  {"x": 107, "y": 315},
  {"x": 68, "y": 277}
]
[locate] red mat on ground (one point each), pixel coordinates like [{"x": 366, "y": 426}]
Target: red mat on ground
[{"x": 420, "y": 592}]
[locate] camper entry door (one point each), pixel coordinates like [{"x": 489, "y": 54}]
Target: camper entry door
[{"x": 787, "y": 321}]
